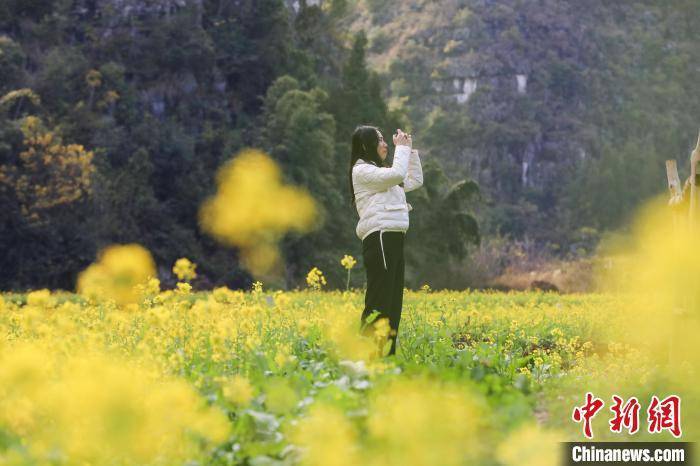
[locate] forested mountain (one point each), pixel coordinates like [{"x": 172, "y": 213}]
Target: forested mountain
[
  {"x": 116, "y": 114},
  {"x": 562, "y": 110}
]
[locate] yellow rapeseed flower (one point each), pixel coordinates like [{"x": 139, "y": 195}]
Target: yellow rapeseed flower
[
  {"x": 117, "y": 272},
  {"x": 315, "y": 278},
  {"x": 348, "y": 262},
  {"x": 657, "y": 276},
  {"x": 529, "y": 445},
  {"x": 92, "y": 408},
  {"x": 40, "y": 298},
  {"x": 238, "y": 390},
  {"x": 184, "y": 269},
  {"x": 252, "y": 208},
  {"x": 421, "y": 422},
  {"x": 327, "y": 437},
  {"x": 226, "y": 296},
  {"x": 183, "y": 288},
  {"x": 280, "y": 397}
]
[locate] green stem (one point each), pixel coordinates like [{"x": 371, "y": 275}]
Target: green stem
[{"x": 347, "y": 285}]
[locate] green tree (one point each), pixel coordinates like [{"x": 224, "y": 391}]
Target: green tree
[
  {"x": 45, "y": 190},
  {"x": 12, "y": 59},
  {"x": 444, "y": 227},
  {"x": 358, "y": 99}
]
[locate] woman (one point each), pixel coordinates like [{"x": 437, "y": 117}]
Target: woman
[{"x": 378, "y": 193}]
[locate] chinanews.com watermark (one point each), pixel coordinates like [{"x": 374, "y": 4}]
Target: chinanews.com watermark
[
  {"x": 661, "y": 415},
  {"x": 619, "y": 453}
]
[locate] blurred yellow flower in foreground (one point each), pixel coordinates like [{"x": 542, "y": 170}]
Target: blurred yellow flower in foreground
[
  {"x": 327, "y": 438},
  {"x": 657, "y": 274},
  {"x": 96, "y": 409},
  {"x": 238, "y": 390},
  {"x": 421, "y": 422},
  {"x": 280, "y": 397},
  {"x": 344, "y": 340},
  {"x": 117, "y": 272},
  {"x": 252, "y": 209},
  {"x": 529, "y": 445}
]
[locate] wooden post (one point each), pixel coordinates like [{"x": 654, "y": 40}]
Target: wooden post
[
  {"x": 681, "y": 304},
  {"x": 694, "y": 180},
  {"x": 675, "y": 200},
  {"x": 675, "y": 192},
  {"x": 674, "y": 183},
  {"x": 691, "y": 301}
]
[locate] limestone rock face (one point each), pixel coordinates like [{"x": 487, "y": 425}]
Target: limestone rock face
[
  {"x": 119, "y": 11},
  {"x": 295, "y": 5},
  {"x": 493, "y": 59},
  {"x": 130, "y": 8}
]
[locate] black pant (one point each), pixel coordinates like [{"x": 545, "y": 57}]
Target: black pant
[{"x": 382, "y": 252}]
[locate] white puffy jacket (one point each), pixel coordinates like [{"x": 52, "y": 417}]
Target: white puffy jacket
[{"x": 380, "y": 201}]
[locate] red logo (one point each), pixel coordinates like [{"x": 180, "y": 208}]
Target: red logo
[
  {"x": 661, "y": 415},
  {"x": 626, "y": 416},
  {"x": 587, "y": 412},
  {"x": 665, "y": 415}
]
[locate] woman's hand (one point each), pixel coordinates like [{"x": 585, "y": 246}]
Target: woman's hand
[{"x": 402, "y": 139}]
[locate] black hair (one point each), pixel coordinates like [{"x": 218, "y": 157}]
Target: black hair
[{"x": 365, "y": 141}]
